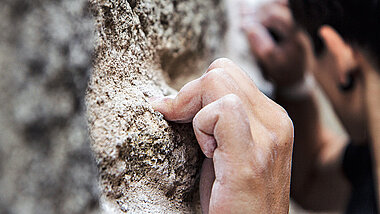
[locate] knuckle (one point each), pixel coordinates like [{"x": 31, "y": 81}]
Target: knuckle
[
  {"x": 280, "y": 129},
  {"x": 258, "y": 166},
  {"x": 220, "y": 63},
  {"x": 212, "y": 77},
  {"x": 196, "y": 121},
  {"x": 284, "y": 131},
  {"x": 231, "y": 101},
  {"x": 281, "y": 110}
]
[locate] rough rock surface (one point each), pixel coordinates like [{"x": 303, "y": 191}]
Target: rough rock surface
[
  {"x": 46, "y": 164},
  {"x": 147, "y": 164}
]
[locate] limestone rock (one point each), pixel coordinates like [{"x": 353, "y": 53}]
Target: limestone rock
[
  {"x": 147, "y": 164},
  {"x": 46, "y": 164}
]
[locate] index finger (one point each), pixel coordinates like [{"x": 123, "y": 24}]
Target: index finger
[
  {"x": 184, "y": 106},
  {"x": 223, "y": 77}
]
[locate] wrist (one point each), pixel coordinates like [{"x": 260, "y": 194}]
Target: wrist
[{"x": 297, "y": 91}]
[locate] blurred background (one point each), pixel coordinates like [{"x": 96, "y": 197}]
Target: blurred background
[{"x": 45, "y": 61}]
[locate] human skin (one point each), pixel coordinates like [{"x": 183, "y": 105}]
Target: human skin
[
  {"x": 318, "y": 151},
  {"x": 372, "y": 96},
  {"x": 246, "y": 137},
  {"x": 289, "y": 51}
]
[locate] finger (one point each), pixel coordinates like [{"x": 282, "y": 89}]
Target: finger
[
  {"x": 283, "y": 2},
  {"x": 223, "y": 124},
  {"x": 204, "y": 125},
  {"x": 184, "y": 106},
  {"x": 239, "y": 77},
  {"x": 195, "y": 95},
  {"x": 248, "y": 92},
  {"x": 280, "y": 21},
  {"x": 206, "y": 182},
  {"x": 250, "y": 95},
  {"x": 279, "y": 13},
  {"x": 227, "y": 121},
  {"x": 234, "y": 106},
  {"x": 223, "y": 77},
  {"x": 227, "y": 64},
  {"x": 260, "y": 41}
]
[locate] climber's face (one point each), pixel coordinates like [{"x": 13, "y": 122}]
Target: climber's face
[{"x": 339, "y": 70}]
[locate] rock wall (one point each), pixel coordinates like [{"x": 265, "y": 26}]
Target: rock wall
[
  {"x": 147, "y": 164},
  {"x": 46, "y": 164}
]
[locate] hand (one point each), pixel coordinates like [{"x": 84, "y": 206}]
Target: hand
[
  {"x": 282, "y": 50},
  {"x": 246, "y": 137}
]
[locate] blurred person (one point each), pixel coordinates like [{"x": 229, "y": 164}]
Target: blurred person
[{"x": 330, "y": 172}]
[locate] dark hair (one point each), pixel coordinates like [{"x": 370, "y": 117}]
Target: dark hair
[{"x": 357, "y": 21}]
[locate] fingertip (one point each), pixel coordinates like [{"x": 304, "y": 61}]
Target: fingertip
[
  {"x": 247, "y": 26},
  {"x": 160, "y": 104},
  {"x": 208, "y": 146},
  {"x": 205, "y": 138},
  {"x": 260, "y": 42},
  {"x": 209, "y": 154},
  {"x": 172, "y": 111},
  {"x": 152, "y": 99}
]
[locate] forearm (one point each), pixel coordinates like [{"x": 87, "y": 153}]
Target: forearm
[
  {"x": 304, "y": 114},
  {"x": 375, "y": 127},
  {"x": 376, "y": 149},
  {"x": 317, "y": 156},
  {"x": 373, "y": 112}
]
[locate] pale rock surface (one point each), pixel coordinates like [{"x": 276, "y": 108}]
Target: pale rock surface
[
  {"x": 46, "y": 164},
  {"x": 146, "y": 164}
]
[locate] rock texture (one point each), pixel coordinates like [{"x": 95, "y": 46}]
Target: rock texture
[
  {"x": 46, "y": 164},
  {"x": 147, "y": 164}
]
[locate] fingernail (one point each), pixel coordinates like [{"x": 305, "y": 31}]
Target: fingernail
[
  {"x": 152, "y": 99},
  {"x": 157, "y": 103}
]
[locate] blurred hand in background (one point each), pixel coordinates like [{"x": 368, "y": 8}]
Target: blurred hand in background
[{"x": 282, "y": 50}]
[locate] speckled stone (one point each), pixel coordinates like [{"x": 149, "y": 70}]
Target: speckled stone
[
  {"x": 46, "y": 165},
  {"x": 147, "y": 164}
]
